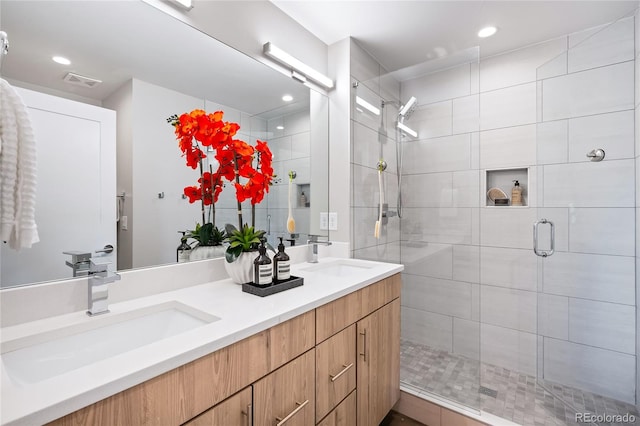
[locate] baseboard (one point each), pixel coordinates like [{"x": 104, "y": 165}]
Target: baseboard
[{"x": 433, "y": 411}]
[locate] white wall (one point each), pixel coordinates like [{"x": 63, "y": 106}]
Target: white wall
[
  {"x": 158, "y": 167},
  {"x": 340, "y": 140},
  {"x": 149, "y": 162}
]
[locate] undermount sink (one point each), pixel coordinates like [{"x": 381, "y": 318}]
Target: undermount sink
[
  {"x": 340, "y": 268},
  {"x": 41, "y": 356}
]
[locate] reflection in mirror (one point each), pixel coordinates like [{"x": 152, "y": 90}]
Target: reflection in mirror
[{"x": 122, "y": 184}]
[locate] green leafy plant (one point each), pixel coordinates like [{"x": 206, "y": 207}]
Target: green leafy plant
[
  {"x": 245, "y": 239},
  {"x": 207, "y": 235}
]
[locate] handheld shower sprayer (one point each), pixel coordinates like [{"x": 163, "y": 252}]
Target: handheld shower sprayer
[{"x": 408, "y": 108}]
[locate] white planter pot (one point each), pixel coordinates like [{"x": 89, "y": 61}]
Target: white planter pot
[
  {"x": 241, "y": 270},
  {"x": 206, "y": 252}
]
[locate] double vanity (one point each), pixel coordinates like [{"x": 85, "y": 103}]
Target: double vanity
[{"x": 326, "y": 353}]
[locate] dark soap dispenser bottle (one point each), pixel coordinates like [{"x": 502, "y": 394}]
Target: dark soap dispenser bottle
[
  {"x": 262, "y": 268},
  {"x": 281, "y": 264},
  {"x": 183, "y": 250}
]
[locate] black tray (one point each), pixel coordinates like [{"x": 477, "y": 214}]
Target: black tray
[{"x": 274, "y": 288}]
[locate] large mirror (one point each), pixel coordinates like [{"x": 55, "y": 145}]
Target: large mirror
[{"x": 117, "y": 178}]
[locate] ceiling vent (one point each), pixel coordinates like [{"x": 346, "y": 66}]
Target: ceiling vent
[{"x": 81, "y": 80}]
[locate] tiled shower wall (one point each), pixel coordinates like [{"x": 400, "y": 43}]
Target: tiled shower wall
[
  {"x": 587, "y": 307},
  {"x": 373, "y": 137},
  {"x": 472, "y": 285}
]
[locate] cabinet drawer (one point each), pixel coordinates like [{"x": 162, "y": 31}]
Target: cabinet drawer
[
  {"x": 286, "y": 396},
  {"x": 339, "y": 314},
  {"x": 335, "y": 370},
  {"x": 344, "y": 414},
  {"x": 236, "y": 410}
]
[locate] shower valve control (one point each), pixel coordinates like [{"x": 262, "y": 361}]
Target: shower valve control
[{"x": 386, "y": 213}]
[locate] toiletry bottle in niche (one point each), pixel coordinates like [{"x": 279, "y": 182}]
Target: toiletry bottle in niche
[
  {"x": 516, "y": 194},
  {"x": 183, "y": 250},
  {"x": 303, "y": 200},
  {"x": 281, "y": 264},
  {"x": 262, "y": 268}
]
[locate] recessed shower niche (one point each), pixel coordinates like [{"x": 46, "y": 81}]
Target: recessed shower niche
[{"x": 497, "y": 180}]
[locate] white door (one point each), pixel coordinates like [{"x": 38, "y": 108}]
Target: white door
[{"x": 76, "y": 188}]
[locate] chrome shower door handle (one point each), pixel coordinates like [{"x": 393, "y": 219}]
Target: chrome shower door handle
[{"x": 544, "y": 253}]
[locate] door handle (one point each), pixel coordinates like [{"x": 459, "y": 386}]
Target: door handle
[
  {"x": 107, "y": 249},
  {"x": 544, "y": 253},
  {"x": 364, "y": 344},
  {"x": 249, "y": 414}
]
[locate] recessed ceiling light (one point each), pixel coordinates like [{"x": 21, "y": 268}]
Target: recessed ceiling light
[
  {"x": 61, "y": 60},
  {"x": 287, "y": 98},
  {"x": 280, "y": 127},
  {"x": 487, "y": 32}
]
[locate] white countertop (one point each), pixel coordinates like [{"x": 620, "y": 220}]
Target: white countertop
[{"x": 241, "y": 315}]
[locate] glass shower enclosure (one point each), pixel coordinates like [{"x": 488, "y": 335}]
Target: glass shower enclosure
[{"x": 525, "y": 312}]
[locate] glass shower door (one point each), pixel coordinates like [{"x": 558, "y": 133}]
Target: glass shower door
[{"x": 584, "y": 235}]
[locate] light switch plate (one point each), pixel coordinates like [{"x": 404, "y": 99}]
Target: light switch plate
[
  {"x": 333, "y": 221},
  {"x": 324, "y": 221}
]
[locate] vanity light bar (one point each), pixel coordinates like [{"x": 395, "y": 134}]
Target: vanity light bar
[
  {"x": 366, "y": 105},
  {"x": 407, "y": 130},
  {"x": 296, "y": 65}
]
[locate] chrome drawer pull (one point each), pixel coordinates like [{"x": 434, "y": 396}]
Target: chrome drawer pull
[
  {"x": 346, "y": 367},
  {"x": 293, "y": 413}
]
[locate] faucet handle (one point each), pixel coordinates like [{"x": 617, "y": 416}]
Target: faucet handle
[
  {"x": 98, "y": 267},
  {"x": 313, "y": 239},
  {"x": 78, "y": 256}
]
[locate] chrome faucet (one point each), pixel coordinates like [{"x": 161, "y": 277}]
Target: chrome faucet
[
  {"x": 313, "y": 243},
  {"x": 99, "y": 279},
  {"x": 79, "y": 262}
]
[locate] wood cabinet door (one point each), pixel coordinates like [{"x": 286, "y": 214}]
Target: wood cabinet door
[
  {"x": 344, "y": 414},
  {"x": 335, "y": 370},
  {"x": 287, "y": 396},
  {"x": 378, "y": 373},
  {"x": 236, "y": 410}
]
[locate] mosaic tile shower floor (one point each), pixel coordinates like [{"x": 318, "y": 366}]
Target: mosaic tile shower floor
[{"x": 520, "y": 398}]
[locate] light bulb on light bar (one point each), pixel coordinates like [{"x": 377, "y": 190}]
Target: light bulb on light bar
[
  {"x": 283, "y": 57},
  {"x": 407, "y": 107},
  {"x": 366, "y": 105},
  {"x": 407, "y": 130}
]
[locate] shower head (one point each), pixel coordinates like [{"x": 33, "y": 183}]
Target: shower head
[{"x": 408, "y": 108}]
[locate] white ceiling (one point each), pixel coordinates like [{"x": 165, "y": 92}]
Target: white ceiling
[{"x": 404, "y": 33}]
